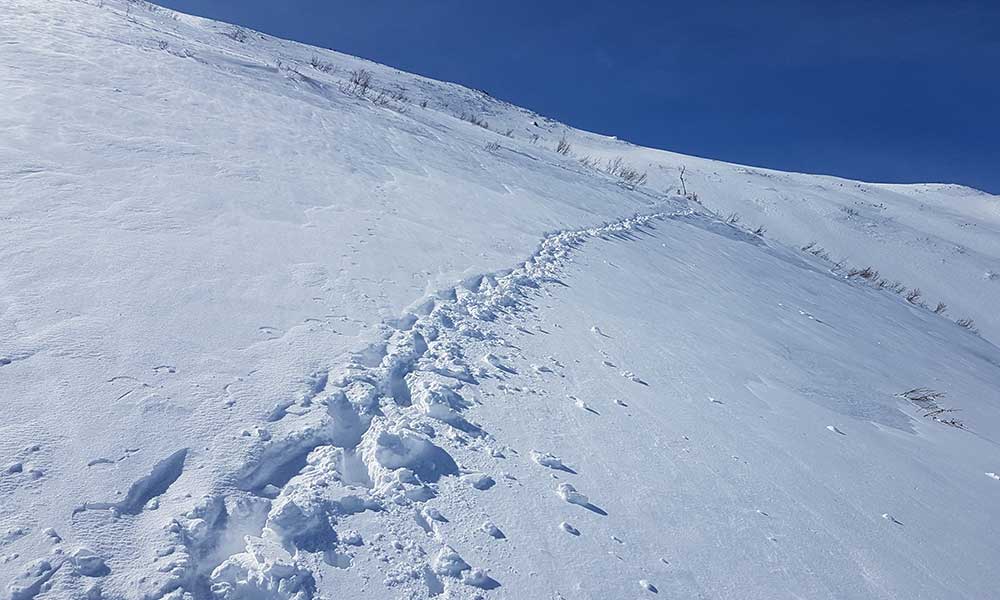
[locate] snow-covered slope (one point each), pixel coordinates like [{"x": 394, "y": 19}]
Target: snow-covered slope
[
  {"x": 942, "y": 240},
  {"x": 266, "y": 332}
]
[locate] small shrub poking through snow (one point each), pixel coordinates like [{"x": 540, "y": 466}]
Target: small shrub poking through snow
[
  {"x": 870, "y": 275},
  {"x": 819, "y": 252},
  {"x": 928, "y": 400},
  {"x": 867, "y": 273},
  {"x": 381, "y": 98},
  {"x": 360, "y": 81},
  {"x": 319, "y": 65},
  {"x": 967, "y": 324},
  {"x": 631, "y": 177},
  {"x": 475, "y": 120},
  {"x": 237, "y": 34}
]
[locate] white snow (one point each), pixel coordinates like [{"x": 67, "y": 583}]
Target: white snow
[
  {"x": 267, "y": 333},
  {"x": 449, "y": 563},
  {"x": 567, "y": 492}
]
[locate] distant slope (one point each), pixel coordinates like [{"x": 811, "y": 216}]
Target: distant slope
[
  {"x": 281, "y": 323},
  {"x": 943, "y": 240}
]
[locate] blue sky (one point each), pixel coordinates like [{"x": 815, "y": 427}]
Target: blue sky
[{"x": 880, "y": 91}]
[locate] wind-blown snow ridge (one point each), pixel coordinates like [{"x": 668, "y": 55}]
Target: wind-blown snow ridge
[{"x": 372, "y": 445}]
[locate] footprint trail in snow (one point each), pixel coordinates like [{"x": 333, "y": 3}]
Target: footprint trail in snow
[{"x": 382, "y": 435}]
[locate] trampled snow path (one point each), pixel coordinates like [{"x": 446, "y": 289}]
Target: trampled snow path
[{"x": 373, "y": 444}]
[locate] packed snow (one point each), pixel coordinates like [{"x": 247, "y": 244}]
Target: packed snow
[{"x": 281, "y": 323}]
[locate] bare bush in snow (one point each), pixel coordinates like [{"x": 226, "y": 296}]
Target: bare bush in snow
[
  {"x": 563, "y": 147},
  {"x": 237, "y": 34},
  {"x": 631, "y": 177},
  {"x": 475, "y": 120},
  {"x": 319, "y": 65},
  {"x": 895, "y": 286},
  {"x": 381, "y": 98},
  {"x": 967, "y": 324},
  {"x": 928, "y": 400},
  {"x": 866, "y": 273},
  {"x": 360, "y": 81}
]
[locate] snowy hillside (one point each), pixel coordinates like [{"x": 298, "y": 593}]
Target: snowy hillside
[{"x": 281, "y": 323}]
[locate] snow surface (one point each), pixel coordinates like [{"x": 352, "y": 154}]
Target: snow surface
[{"x": 266, "y": 334}]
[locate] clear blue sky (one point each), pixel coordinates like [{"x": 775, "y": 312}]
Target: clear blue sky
[{"x": 881, "y": 90}]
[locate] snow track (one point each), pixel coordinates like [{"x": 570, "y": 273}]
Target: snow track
[{"x": 374, "y": 443}]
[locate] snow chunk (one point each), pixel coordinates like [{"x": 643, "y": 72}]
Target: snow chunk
[
  {"x": 569, "y": 528},
  {"x": 88, "y": 563},
  {"x": 480, "y": 481},
  {"x": 891, "y": 518},
  {"x": 478, "y": 578},
  {"x": 492, "y": 530},
  {"x": 568, "y": 493},
  {"x": 549, "y": 460},
  {"x": 401, "y": 461},
  {"x": 633, "y": 377},
  {"x": 438, "y": 401},
  {"x": 434, "y": 514},
  {"x": 352, "y": 538},
  {"x": 448, "y": 563},
  {"x": 265, "y": 570},
  {"x": 304, "y": 511},
  {"x": 494, "y": 361}
]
